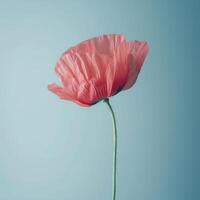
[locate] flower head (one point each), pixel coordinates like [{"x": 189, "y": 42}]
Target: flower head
[{"x": 98, "y": 68}]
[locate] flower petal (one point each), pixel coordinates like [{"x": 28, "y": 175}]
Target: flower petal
[
  {"x": 118, "y": 70},
  {"x": 59, "y": 91},
  {"x": 137, "y": 54},
  {"x": 102, "y": 44}
]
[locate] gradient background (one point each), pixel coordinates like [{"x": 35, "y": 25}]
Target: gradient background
[{"x": 55, "y": 150}]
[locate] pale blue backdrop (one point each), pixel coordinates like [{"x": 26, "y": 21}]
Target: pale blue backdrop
[{"x": 55, "y": 150}]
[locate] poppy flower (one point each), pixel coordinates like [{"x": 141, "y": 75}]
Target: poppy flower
[{"x": 98, "y": 68}]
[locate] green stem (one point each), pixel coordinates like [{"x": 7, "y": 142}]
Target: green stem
[{"x": 114, "y": 149}]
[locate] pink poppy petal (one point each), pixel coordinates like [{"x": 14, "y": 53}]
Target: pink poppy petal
[
  {"x": 118, "y": 70},
  {"x": 137, "y": 54},
  {"x": 59, "y": 91},
  {"x": 81, "y": 103},
  {"x": 102, "y": 44}
]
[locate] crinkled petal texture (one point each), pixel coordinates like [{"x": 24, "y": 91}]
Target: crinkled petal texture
[{"x": 98, "y": 68}]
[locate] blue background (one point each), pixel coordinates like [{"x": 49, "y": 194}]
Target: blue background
[{"x": 55, "y": 150}]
